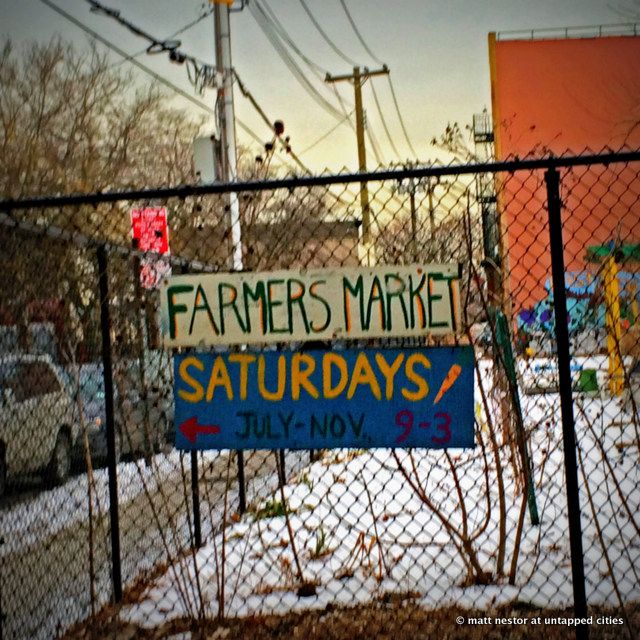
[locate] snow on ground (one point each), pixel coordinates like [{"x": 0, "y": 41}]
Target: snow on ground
[
  {"x": 50, "y": 511},
  {"x": 361, "y": 530}
]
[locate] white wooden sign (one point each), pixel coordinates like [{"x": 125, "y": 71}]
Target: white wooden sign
[{"x": 301, "y": 305}]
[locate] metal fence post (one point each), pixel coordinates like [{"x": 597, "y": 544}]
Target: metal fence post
[
  {"x": 195, "y": 486},
  {"x": 105, "y": 324},
  {"x": 195, "y": 496},
  {"x": 282, "y": 478},
  {"x": 242, "y": 491},
  {"x": 552, "y": 179},
  {"x": 2, "y": 616}
]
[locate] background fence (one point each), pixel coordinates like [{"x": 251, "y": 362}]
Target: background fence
[{"x": 103, "y": 522}]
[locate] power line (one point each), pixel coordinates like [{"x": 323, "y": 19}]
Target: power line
[
  {"x": 277, "y": 43},
  {"x": 167, "y": 45},
  {"x": 173, "y": 87},
  {"x": 382, "y": 119},
  {"x": 327, "y": 39},
  {"x": 144, "y": 68},
  {"x": 393, "y": 93},
  {"x": 404, "y": 129},
  {"x": 277, "y": 35},
  {"x": 271, "y": 124},
  {"x": 201, "y": 74},
  {"x": 324, "y": 136},
  {"x": 374, "y": 144},
  {"x": 358, "y": 34},
  {"x": 186, "y": 27},
  {"x": 265, "y": 9},
  {"x": 172, "y": 47}
]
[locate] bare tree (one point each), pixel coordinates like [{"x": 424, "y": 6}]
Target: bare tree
[{"x": 70, "y": 122}]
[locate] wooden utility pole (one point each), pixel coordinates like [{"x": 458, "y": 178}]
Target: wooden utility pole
[{"x": 358, "y": 78}]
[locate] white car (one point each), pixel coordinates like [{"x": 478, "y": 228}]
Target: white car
[{"x": 37, "y": 425}]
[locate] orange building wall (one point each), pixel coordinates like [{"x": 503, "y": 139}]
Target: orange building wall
[{"x": 565, "y": 97}]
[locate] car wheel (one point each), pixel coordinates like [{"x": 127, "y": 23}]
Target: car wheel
[{"x": 60, "y": 465}]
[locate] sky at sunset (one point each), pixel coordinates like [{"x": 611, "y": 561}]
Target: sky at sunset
[{"x": 436, "y": 51}]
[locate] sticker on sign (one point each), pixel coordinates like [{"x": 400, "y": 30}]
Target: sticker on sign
[{"x": 150, "y": 232}]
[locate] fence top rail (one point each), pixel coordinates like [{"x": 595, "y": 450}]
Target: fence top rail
[
  {"x": 82, "y": 240},
  {"x": 192, "y": 190}
]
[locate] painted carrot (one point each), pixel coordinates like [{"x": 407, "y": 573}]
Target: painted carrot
[{"x": 447, "y": 383}]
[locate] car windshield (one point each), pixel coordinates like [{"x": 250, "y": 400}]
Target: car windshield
[{"x": 28, "y": 379}]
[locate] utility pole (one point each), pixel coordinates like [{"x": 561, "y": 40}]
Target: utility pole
[
  {"x": 227, "y": 124},
  {"x": 228, "y": 160},
  {"x": 358, "y": 78},
  {"x": 412, "y": 187}
]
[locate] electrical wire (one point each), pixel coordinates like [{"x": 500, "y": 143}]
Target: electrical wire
[
  {"x": 201, "y": 74},
  {"x": 274, "y": 30},
  {"x": 404, "y": 129},
  {"x": 175, "y": 88},
  {"x": 247, "y": 94},
  {"x": 358, "y": 34},
  {"x": 375, "y": 147},
  {"x": 327, "y": 39},
  {"x": 276, "y": 42},
  {"x": 373, "y": 56},
  {"x": 284, "y": 35},
  {"x": 164, "y": 46},
  {"x": 145, "y": 69},
  {"x": 324, "y": 136},
  {"x": 382, "y": 119},
  {"x": 195, "y": 65},
  {"x": 186, "y": 27}
]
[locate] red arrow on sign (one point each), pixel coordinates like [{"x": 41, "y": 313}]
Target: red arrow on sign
[{"x": 190, "y": 429}]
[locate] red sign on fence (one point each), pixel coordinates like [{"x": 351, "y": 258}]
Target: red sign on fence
[
  {"x": 149, "y": 228},
  {"x": 151, "y": 233}
]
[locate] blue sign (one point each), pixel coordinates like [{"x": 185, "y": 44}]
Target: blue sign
[{"x": 360, "y": 398}]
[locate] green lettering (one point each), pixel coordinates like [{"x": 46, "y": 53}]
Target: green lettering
[
  {"x": 355, "y": 291},
  {"x": 202, "y": 306},
  {"x": 395, "y": 294},
  {"x": 258, "y": 295},
  {"x": 175, "y": 309},
  {"x": 296, "y": 298},
  {"x": 431, "y": 298},
  {"x": 223, "y": 304},
  {"x": 415, "y": 297},
  {"x": 271, "y": 304},
  {"x": 323, "y": 302}
]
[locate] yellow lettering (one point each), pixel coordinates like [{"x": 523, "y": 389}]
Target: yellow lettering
[
  {"x": 363, "y": 374},
  {"x": 328, "y": 360},
  {"x": 219, "y": 377},
  {"x": 244, "y": 360},
  {"x": 198, "y": 392},
  {"x": 389, "y": 372},
  {"x": 421, "y": 384},
  {"x": 300, "y": 377},
  {"x": 282, "y": 379}
]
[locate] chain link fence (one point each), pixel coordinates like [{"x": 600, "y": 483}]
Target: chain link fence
[{"x": 104, "y": 533}]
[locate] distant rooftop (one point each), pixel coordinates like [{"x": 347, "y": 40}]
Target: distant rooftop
[{"x": 597, "y": 31}]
